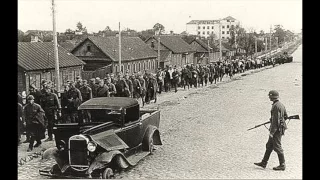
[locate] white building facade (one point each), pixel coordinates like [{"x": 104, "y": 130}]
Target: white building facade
[{"x": 207, "y": 28}]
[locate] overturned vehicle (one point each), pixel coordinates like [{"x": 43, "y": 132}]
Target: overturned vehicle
[{"x": 116, "y": 135}]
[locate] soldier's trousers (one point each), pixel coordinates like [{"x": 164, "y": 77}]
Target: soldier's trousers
[
  {"x": 50, "y": 118},
  {"x": 274, "y": 144}
]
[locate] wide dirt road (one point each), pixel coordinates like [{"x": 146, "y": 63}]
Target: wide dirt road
[
  {"x": 205, "y": 136},
  {"x": 204, "y": 131}
]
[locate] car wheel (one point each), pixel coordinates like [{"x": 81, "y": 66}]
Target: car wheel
[
  {"x": 55, "y": 169},
  {"x": 107, "y": 174}
]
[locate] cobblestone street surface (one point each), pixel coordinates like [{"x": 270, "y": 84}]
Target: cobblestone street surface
[{"x": 204, "y": 130}]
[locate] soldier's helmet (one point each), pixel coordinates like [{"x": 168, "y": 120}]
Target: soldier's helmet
[
  {"x": 30, "y": 97},
  {"x": 273, "y": 94}
]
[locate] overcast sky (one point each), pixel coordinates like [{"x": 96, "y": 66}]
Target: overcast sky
[{"x": 143, "y": 14}]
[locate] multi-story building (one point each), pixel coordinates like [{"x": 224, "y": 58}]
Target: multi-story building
[{"x": 207, "y": 28}]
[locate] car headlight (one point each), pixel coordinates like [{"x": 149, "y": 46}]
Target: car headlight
[{"x": 91, "y": 146}]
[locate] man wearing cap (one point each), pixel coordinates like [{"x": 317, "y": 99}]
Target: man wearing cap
[
  {"x": 175, "y": 78},
  {"x": 151, "y": 86},
  {"x": 102, "y": 90},
  {"x": 93, "y": 87},
  {"x": 277, "y": 129},
  {"x": 143, "y": 87},
  {"x": 160, "y": 79},
  {"x": 130, "y": 85},
  {"x": 36, "y": 93},
  {"x": 51, "y": 106},
  {"x": 136, "y": 87},
  {"x": 86, "y": 91},
  {"x": 34, "y": 118},
  {"x": 78, "y": 82},
  {"x": 111, "y": 87},
  {"x": 122, "y": 87},
  {"x": 74, "y": 101}
]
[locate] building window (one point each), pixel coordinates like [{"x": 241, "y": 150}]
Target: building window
[
  {"x": 203, "y": 27},
  {"x": 139, "y": 68},
  {"x": 134, "y": 67},
  {"x": 199, "y": 27},
  {"x": 203, "y": 32},
  {"x": 223, "y": 27},
  {"x": 222, "y": 32},
  {"x": 211, "y": 27},
  {"x": 227, "y": 32},
  {"x": 222, "y": 37},
  {"x": 128, "y": 67},
  {"x": 208, "y": 27},
  {"x": 208, "y": 32},
  {"x": 228, "y": 20},
  {"x": 227, "y": 26},
  {"x": 199, "y": 32},
  {"x": 211, "y": 32},
  {"x": 232, "y": 26},
  {"x": 88, "y": 48}
]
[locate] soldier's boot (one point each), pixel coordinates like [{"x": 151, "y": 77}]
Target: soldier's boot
[
  {"x": 262, "y": 164},
  {"x": 282, "y": 165}
]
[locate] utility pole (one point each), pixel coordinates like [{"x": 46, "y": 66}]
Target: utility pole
[
  {"x": 158, "y": 64},
  {"x": 55, "y": 44},
  {"x": 270, "y": 39},
  {"x": 266, "y": 44},
  {"x": 120, "y": 49},
  {"x": 220, "y": 40}
]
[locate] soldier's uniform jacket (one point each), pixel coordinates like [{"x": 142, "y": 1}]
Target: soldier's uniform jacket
[
  {"x": 130, "y": 85},
  {"x": 277, "y": 120},
  {"x": 175, "y": 76},
  {"x": 78, "y": 85},
  {"x": 94, "y": 88},
  {"x": 160, "y": 76},
  {"x": 112, "y": 89},
  {"x": 86, "y": 93},
  {"x": 37, "y": 95},
  {"x": 136, "y": 87},
  {"x": 34, "y": 114},
  {"x": 143, "y": 86},
  {"x": 103, "y": 91},
  {"x": 122, "y": 88},
  {"x": 49, "y": 102},
  {"x": 74, "y": 99}
]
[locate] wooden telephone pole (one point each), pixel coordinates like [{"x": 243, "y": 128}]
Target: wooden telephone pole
[
  {"x": 56, "y": 57},
  {"x": 120, "y": 68}
]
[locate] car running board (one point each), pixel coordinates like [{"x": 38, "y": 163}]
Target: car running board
[{"x": 135, "y": 158}]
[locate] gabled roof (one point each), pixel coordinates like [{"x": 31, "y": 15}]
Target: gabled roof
[
  {"x": 202, "y": 22},
  {"x": 203, "y": 44},
  {"x": 174, "y": 43},
  {"x": 164, "y": 55},
  {"x": 229, "y": 18},
  {"x": 132, "y": 48},
  {"x": 67, "y": 45},
  {"x": 223, "y": 47},
  {"x": 34, "y": 56}
]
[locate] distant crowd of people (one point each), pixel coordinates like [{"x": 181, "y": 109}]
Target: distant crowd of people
[{"x": 42, "y": 107}]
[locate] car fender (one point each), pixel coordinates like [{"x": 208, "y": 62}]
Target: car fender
[
  {"x": 54, "y": 153},
  {"x": 152, "y": 131},
  {"x": 103, "y": 159}
]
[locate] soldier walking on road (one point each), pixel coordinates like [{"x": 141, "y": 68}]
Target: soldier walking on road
[
  {"x": 50, "y": 104},
  {"x": 86, "y": 91},
  {"x": 102, "y": 90},
  {"x": 130, "y": 85},
  {"x": 34, "y": 117},
  {"x": 122, "y": 87},
  {"x": 93, "y": 87},
  {"x": 111, "y": 87},
  {"x": 277, "y": 129}
]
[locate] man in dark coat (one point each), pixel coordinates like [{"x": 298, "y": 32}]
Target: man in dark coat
[
  {"x": 136, "y": 87},
  {"x": 129, "y": 83},
  {"x": 103, "y": 90},
  {"x": 151, "y": 88},
  {"x": 111, "y": 87},
  {"x": 51, "y": 106},
  {"x": 74, "y": 101},
  {"x": 143, "y": 87},
  {"x": 186, "y": 77},
  {"x": 86, "y": 91},
  {"x": 277, "y": 129},
  {"x": 93, "y": 87},
  {"x": 175, "y": 79},
  {"x": 36, "y": 93},
  {"x": 35, "y": 120},
  {"x": 122, "y": 87}
]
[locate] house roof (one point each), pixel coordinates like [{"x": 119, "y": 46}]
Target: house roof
[
  {"x": 229, "y": 18},
  {"x": 175, "y": 43},
  {"x": 34, "y": 56},
  {"x": 202, "y": 22},
  {"x": 132, "y": 48},
  {"x": 67, "y": 45},
  {"x": 164, "y": 55},
  {"x": 223, "y": 47},
  {"x": 203, "y": 44}
]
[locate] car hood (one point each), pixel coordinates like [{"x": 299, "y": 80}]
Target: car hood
[{"x": 109, "y": 140}]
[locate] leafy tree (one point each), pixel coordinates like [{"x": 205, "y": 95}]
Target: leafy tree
[
  {"x": 159, "y": 28},
  {"x": 81, "y": 28},
  {"x": 145, "y": 34},
  {"x": 20, "y": 35},
  {"x": 280, "y": 33}
]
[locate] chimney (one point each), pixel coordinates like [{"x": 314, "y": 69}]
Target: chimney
[{"x": 171, "y": 32}]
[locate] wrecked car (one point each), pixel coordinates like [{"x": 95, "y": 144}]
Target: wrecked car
[{"x": 116, "y": 135}]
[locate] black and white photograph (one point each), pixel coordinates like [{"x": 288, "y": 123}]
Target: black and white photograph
[{"x": 159, "y": 89}]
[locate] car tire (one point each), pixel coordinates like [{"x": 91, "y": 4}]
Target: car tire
[
  {"x": 55, "y": 169},
  {"x": 107, "y": 174}
]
